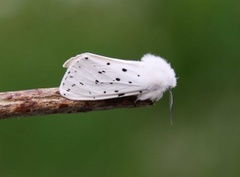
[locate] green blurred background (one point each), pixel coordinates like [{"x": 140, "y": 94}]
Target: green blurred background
[{"x": 200, "y": 38}]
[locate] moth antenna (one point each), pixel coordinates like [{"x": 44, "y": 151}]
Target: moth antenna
[{"x": 171, "y": 105}]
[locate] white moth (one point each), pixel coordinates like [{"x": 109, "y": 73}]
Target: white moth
[{"x": 95, "y": 77}]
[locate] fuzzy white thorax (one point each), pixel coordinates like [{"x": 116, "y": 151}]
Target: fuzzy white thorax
[{"x": 158, "y": 77}]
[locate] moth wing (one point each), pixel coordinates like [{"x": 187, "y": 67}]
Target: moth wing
[{"x": 95, "y": 77}]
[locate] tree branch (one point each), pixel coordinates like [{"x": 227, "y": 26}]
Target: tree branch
[{"x": 49, "y": 101}]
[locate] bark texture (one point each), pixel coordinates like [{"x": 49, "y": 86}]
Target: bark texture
[{"x": 49, "y": 101}]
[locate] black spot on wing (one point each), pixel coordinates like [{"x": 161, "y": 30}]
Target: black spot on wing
[
  {"x": 121, "y": 94},
  {"x": 124, "y": 70}
]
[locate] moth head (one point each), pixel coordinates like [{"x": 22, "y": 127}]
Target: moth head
[{"x": 170, "y": 78}]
